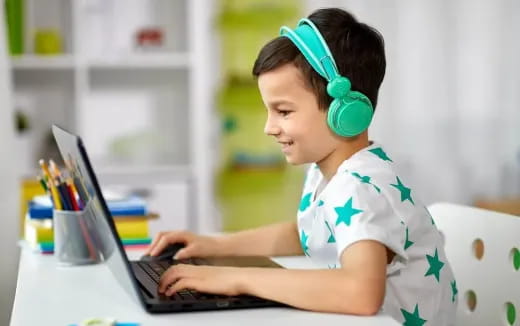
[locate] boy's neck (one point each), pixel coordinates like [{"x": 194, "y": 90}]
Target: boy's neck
[{"x": 329, "y": 165}]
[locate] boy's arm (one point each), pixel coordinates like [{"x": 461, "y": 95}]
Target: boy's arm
[
  {"x": 356, "y": 288},
  {"x": 279, "y": 239}
]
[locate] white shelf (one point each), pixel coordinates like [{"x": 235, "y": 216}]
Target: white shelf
[
  {"x": 146, "y": 176},
  {"x": 171, "y": 171},
  {"x": 143, "y": 61},
  {"x": 65, "y": 61},
  {"x": 138, "y": 61}
]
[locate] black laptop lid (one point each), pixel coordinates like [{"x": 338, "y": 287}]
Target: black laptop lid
[{"x": 100, "y": 225}]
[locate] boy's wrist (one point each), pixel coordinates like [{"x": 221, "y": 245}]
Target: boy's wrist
[
  {"x": 243, "y": 277},
  {"x": 222, "y": 245}
]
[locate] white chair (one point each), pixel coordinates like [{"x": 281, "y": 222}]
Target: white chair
[{"x": 483, "y": 248}]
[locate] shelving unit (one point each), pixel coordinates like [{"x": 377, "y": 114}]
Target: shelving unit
[{"x": 145, "y": 115}]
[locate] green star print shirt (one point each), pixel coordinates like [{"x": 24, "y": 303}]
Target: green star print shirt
[{"x": 367, "y": 200}]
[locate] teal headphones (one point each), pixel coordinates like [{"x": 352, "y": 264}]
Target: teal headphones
[{"x": 350, "y": 112}]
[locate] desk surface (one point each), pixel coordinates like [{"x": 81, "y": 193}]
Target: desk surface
[{"x": 50, "y": 295}]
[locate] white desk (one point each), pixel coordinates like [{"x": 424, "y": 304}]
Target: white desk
[{"x": 51, "y": 295}]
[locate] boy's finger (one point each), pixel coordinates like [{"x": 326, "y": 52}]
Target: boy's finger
[
  {"x": 164, "y": 239},
  {"x": 154, "y": 243},
  {"x": 181, "y": 284},
  {"x": 177, "y": 236},
  {"x": 158, "y": 248},
  {"x": 168, "y": 278},
  {"x": 183, "y": 253}
]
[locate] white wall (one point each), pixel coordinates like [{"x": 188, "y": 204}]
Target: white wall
[
  {"x": 448, "y": 109},
  {"x": 9, "y": 192}
]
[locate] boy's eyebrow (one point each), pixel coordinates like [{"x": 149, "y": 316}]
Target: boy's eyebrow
[{"x": 274, "y": 104}]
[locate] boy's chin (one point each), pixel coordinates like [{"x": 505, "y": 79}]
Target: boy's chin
[{"x": 295, "y": 160}]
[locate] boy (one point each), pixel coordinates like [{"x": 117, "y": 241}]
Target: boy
[{"x": 377, "y": 243}]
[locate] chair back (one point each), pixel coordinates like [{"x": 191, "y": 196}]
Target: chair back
[{"x": 483, "y": 249}]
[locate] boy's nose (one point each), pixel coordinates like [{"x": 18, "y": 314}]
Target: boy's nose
[{"x": 270, "y": 128}]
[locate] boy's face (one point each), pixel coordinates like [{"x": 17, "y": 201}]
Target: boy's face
[{"x": 293, "y": 116}]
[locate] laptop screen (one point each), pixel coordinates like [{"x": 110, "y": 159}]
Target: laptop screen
[{"x": 99, "y": 223}]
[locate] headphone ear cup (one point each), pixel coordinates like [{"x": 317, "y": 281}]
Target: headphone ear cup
[
  {"x": 332, "y": 115},
  {"x": 351, "y": 115}
]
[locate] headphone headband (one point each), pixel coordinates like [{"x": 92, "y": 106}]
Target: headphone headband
[{"x": 311, "y": 44}]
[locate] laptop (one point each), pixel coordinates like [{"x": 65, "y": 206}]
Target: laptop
[{"x": 140, "y": 278}]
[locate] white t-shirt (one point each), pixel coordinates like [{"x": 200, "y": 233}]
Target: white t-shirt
[{"x": 366, "y": 200}]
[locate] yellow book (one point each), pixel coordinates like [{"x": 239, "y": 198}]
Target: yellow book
[
  {"x": 40, "y": 230},
  {"x": 30, "y": 188},
  {"x": 132, "y": 228},
  {"x": 37, "y": 231}
]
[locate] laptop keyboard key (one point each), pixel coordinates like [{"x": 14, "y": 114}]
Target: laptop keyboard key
[{"x": 186, "y": 296}]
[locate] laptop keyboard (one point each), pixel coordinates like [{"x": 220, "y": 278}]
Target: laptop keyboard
[{"x": 155, "y": 270}]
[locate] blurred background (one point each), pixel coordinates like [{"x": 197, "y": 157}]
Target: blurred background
[{"x": 161, "y": 92}]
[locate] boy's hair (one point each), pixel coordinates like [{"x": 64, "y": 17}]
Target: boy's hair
[{"x": 357, "y": 48}]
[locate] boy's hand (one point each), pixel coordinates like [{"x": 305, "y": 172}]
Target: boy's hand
[
  {"x": 195, "y": 245},
  {"x": 209, "y": 279}
]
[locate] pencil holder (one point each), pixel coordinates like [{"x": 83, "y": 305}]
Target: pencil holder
[{"x": 73, "y": 238}]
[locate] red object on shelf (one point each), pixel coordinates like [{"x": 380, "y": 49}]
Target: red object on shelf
[{"x": 150, "y": 37}]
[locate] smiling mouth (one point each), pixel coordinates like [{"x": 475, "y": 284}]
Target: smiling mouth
[{"x": 286, "y": 145}]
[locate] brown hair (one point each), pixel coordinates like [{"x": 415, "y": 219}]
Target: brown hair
[{"x": 358, "y": 50}]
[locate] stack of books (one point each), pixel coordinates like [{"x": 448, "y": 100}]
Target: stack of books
[{"x": 131, "y": 219}]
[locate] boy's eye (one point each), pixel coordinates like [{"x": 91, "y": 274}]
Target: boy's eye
[{"x": 283, "y": 113}]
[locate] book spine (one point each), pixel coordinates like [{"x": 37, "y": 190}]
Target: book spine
[
  {"x": 38, "y": 231},
  {"x": 48, "y": 246},
  {"x": 129, "y": 229},
  {"x": 14, "y": 11},
  {"x": 39, "y": 212}
]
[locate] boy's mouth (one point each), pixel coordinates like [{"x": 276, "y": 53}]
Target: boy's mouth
[{"x": 286, "y": 144}]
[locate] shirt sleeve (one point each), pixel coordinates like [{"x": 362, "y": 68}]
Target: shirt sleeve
[{"x": 360, "y": 211}]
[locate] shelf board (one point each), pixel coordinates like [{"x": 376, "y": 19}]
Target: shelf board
[
  {"x": 180, "y": 171},
  {"x": 142, "y": 61},
  {"x": 173, "y": 60},
  {"x": 29, "y": 61}
]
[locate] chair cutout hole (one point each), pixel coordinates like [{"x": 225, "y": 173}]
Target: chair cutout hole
[
  {"x": 514, "y": 255},
  {"x": 471, "y": 300},
  {"x": 478, "y": 249},
  {"x": 510, "y": 313}
]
